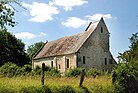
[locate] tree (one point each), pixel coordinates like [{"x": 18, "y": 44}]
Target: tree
[
  {"x": 125, "y": 75},
  {"x": 12, "y": 49},
  {"x": 32, "y": 49},
  {"x": 7, "y": 12},
  {"x": 131, "y": 54}
]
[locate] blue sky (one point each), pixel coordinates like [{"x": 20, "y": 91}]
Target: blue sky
[{"x": 52, "y": 19}]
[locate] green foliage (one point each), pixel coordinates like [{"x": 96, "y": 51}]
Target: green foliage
[
  {"x": 9, "y": 69},
  {"x": 125, "y": 78},
  {"x": 63, "y": 89},
  {"x": 47, "y": 68},
  {"x": 73, "y": 72},
  {"x": 125, "y": 75},
  {"x": 53, "y": 72},
  {"x": 12, "y": 49},
  {"x": 33, "y": 89},
  {"x": 25, "y": 84},
  {"x": 37, "y": 70},
  {"x": 6, "y": 90},
  {"x": 93, "y": 72},
  {"x": 7, "y": 13},
  {"x": 27, "y": 68},
  {"x": 48, "y": 71},
  {"x": 132, "y": 53},
  {"x": 99, "y": 88},
  {"x": 54, "y": 89},
  {"x": 32, "y": 49}
]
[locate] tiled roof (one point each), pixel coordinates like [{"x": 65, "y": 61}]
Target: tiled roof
[{"x": 66, "y": 45}]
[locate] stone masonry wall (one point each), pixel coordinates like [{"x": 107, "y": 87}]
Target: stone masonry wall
[{"x": 96, "y": 50}]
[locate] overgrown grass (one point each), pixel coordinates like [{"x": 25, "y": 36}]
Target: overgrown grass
[{"x": 24, "y": 84}]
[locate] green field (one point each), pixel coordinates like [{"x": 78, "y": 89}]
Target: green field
[{"x": 25, "y": 84}]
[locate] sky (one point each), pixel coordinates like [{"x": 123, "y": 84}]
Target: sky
[{"x": 47, "y": 20}]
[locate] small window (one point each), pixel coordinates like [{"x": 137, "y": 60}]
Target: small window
[
  {"x": 101, "y": 29},
  {"x": 51, "y": 64},
  {"x": 59, "y": 67},
  {"x": 105, "y": 59},
  {"x": 67, "y": 63},
  {"x": 83, "y": 59}
]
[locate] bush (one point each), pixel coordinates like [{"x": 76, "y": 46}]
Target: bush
[
  {"x": 10, "y": 69},
  {"x": 53, "y": 72},
  {"x": 47, "y": 68},
  {"x": 125, "y": 78},
  {"x": 37, "y": 70},
  {"x": 93, "y": 72},
  {"x": 26, "y": 69},
  {"x": 73, "y": 72},
  {"x": 48, "y": 71}
]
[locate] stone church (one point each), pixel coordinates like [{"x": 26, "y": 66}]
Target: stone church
[{"x": 88, "y": 49}]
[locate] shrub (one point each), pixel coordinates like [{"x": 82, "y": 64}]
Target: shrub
[
  {"x": 26, "y": 69},
  {"x": 93, "y": 72},
  {"x": 48, "y": 71},
  {"x": 10, "y": 69},
  {"x": 37, "y": 70},
  {"x": 125, "y": 78},
  {"x": 54, "y": 72},
  {"x": 47, "y": 68},
  {"x": 73, "y": 72}
]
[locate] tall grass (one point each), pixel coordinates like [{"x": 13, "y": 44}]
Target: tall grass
[{"x": 101, "y": 84}]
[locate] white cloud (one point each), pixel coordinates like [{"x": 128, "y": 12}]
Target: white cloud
[
  {"x": 42, "y": 34},
  {"x": 41, "y": 12},
  {"x": 68, "y": 4},
  {"x": 28, "y": 35},
  {"x": 25, "y": 35},
  {"x": 96, "y": 17},
  {"x": 74, "y": 22}
]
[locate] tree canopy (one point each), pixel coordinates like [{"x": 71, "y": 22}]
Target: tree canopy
[
  {"x": 125, "y": 75},
  {"x": 11, "y": 48},
  {"x": 131, "y": 54},
  {"x": 7, "y": 12},
  {"x": 32, "y": 49}
]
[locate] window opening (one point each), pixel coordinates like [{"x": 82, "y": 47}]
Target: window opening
[
  {"x": 67, "y": 63},
  {"x": 101, "y": 29},
  {"x": 83, "y": 59},
  {"x": 105, "y": 61}
]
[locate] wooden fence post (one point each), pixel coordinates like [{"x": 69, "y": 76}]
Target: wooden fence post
[
  {"x": 43, "y": 74},
  {"x": 82, "y": 77}
]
